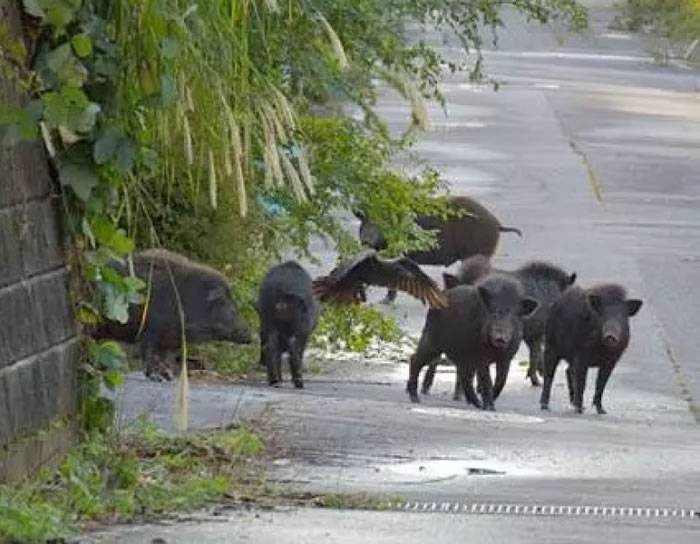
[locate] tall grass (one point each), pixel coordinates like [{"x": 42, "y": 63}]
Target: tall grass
[
  {"x": 215, "y": 88},
  {"x": 206, "y": 79}
]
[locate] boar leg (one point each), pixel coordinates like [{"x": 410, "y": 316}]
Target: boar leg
[
  {"x": 486, "y": 386},
  {"x": 551, "y": 361},
  {"x": 502, "y": 369},
  {"x": 604, "y": 372},
  {"x": 168, "y": 365},
  {"x": 458, "y": 383},
  {"x": 429, "y": 376},
  {"x": 570, "y": 384},
  {"x": 296, "y": 353},
  {"x": 263, "y": 340},
  {"x": 580, "y": 371},
  {"x": 424, "y": 355},
  {"x": 273, "y": 357},
  {"x": 466, "y": 375},
  {"x": 536, "y": 347},
  {"x": 150, "y": 358}
]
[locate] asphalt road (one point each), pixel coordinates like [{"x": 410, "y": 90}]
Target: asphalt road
[{"x": 593, "y": 150}]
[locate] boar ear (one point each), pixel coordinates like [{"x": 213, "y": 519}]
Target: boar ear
[
  {"x": 633, "y": 306},
  {"x": 449, "y": 280},
  {"x": 527, "y": 306},
  {"x": 485, "y": 295},
  {"x": 572, "y": 278},
  {"x": 596, "y": 303}
]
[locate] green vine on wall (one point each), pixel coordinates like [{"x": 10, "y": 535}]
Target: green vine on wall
[{"x": 72, "y": 72}]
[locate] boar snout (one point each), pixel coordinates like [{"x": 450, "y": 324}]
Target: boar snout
[
  {"x": 610, "y": 340},
  {"x": 500, "y": 337},
  {"x": 612, "y": 332},
  {"x": 499, "y": 342}
]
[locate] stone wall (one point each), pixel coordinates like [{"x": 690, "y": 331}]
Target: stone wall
[{"x": 38, "y": 346}]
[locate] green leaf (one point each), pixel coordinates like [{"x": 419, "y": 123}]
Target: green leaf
[
  {"x": 82, "y": 45},
  {"x": 113, "y": 379},
  {"x": 136, "y": 287},
  {"x": 88, "y": 117},
  {"x": 60, "y": 12},
  {"x": 113, "y": 145},
  {"x": 58, "y": 57},
  {"x": 103, "y": 229},
  {"x": 108, "y": 355},
  {"x": 71, "y": 109},
  {"x": 121, "y": 243},
  {"x": 99, "y": 259},
  {"x": 60, "y": 107},
  {"x": 81, "y": 178},
  {"x": 33, "y": 8},
  {"x": 106, "y": 146},
  {"x": 115, "y": 304},
  {"x": 111, "y": 276},
  {"x": 107, "y": 68},
  {"x": 66, "y": 66},
  {"x": 107, "y": 234},
  {"x": 126, "y": 155},
  {"x": 88, "y": 315}
]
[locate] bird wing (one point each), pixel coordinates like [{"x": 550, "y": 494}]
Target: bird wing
[
  {"x": 412, "y": 280},
  {"x": 346, "y": 282}
]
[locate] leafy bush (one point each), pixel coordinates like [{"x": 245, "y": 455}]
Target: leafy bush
[{"x": 353, "y": 327}]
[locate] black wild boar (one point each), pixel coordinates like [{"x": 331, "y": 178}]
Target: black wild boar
[
  {"x": 588, "y": 328},
  {"x": 288, "y": 315},
  {"x": 482, "y": 324},
  {"x": 470, "y": 270},
  {"x": 209, "y": 311},
  {"x": 476, "y": 231},
  {"x": 541, "y": 280}
]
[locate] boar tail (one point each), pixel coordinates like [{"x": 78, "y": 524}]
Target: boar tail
[{"x": 510, "y": 229}]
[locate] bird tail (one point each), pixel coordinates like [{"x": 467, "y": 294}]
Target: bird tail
[{"x": 510, "y": 229}]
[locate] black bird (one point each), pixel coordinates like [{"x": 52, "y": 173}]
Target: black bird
[{"x": 346, "y": 283}]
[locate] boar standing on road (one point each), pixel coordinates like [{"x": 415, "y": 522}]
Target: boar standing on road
[
  {"x": 481, "y": 324},
  {"x": 541, "y": 280},
  {"x": 475, "y": 231},
  {"x": 209, "y": 311},
  {"x": 588, "y": 328},
  {"x": 288, "y": 315}
]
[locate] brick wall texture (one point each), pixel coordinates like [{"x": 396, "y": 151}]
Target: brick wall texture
[{"x": 38, "y": 346}]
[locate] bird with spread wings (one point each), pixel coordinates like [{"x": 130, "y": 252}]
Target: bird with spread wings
[{"x": 347, "y": 282}]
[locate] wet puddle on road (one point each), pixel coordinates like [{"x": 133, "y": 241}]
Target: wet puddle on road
[
  {"x": 416, "y": 472},
  {"x": 440, "y": 470},
  {"x": 477, "y": 415}
]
